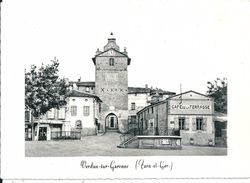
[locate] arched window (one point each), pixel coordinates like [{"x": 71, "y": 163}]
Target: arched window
[
  {"x": 111, "y": 61},
  {"x": 78, "y": 124}
]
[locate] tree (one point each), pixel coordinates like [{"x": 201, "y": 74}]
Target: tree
[
  {"x": 218, "y": 90},
  {"x": 44, "y": 89}
]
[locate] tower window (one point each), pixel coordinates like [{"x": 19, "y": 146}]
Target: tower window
[{"x": 111, "y": 61}]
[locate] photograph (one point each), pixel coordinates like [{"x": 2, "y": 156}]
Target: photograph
[
  {"x": 121, "y": 90},
  {"x": 108, "y": 117}
]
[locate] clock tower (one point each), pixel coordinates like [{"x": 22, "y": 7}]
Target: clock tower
[{"x": 111, "y": 85}]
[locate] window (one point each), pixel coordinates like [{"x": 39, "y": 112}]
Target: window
[
  {"x": 182, "y": 123},
  {"x": 199, "y": 123},
  {"x": 73, "y": 110},
  {"x": 61, "y": 113},
  {"x": 87, "y": 89},
  {"x": 132, "y": 106},
  {"x": 100, "y": 107},
  {"x": 133, "y": 119},
  {"x": 111, "y": 61},
  {"x": 86, "y": 110},
  {"x": 51, "y": 114},
  {"x": 152, "y": 110},
  {"x": 151, "y": 123},
  {"x": 78, "y": 124}
]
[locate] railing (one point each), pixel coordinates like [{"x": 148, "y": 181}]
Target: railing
[
  {"x": 72, "y": 135},
  {"x": 132, "y": 131}
]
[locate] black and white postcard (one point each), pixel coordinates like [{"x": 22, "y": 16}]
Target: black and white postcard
[{"x": 126, "y": 90}]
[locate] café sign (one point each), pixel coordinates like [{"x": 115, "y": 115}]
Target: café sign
[{"x": 190, "y": 107}]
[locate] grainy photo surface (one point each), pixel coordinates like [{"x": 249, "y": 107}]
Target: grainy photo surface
[
  {"x": 121, "y": 90},
  {"x": 108, "y": 117}
]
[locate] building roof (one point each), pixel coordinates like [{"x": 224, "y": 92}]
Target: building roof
[
  {"x": 75, "y": 93},
  {"x": 83, "y": 83},
  {"x": 189, "y": 92},
  {"x": 132, "y": 90},
  {"x": 167, "y": 99},
  {"x": 102, "y": 52},
  {"x": 138, "y": 90}
]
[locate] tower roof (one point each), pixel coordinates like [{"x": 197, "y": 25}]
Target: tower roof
[
  {"x": 111, "y": 36},
  {"x": 111, "y": 43}
]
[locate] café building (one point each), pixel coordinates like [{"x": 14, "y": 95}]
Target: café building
[{"x": 188, "y": 115}]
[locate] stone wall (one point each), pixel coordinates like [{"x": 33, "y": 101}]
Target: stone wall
[
  {"x": 111, "y": 85},
  {"x": 88, "y": 132}
]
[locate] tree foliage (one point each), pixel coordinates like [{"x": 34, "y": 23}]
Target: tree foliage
[
  {"x": 44, "y": 89},
  {"x": 218, "y": 90}
]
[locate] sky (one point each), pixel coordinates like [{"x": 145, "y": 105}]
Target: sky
[{"x": 170, "y": 42}]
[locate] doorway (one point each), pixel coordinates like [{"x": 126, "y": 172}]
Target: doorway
[
  {"x": 42, "y": 133},
  {"x": 111, "y": 122}
]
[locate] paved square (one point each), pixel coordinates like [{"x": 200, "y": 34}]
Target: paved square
[{"x": 106, "y": 145}]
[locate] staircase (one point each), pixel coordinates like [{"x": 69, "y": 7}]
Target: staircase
[{"x": 127, "y": 139}]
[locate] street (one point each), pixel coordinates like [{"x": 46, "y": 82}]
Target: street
[{"x": 106, "y": 145}]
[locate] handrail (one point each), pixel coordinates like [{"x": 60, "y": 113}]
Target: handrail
[{"x": 131, "y": 133}]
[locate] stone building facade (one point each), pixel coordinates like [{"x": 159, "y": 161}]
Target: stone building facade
[
  {"x": 188, "y": 115},
  {"x": 111, "y": 85}
]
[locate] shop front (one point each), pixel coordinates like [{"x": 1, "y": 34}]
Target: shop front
[{"x": 190, "y": 115}]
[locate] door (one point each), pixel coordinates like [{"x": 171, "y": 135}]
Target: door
[
  {"x": 112, "y": 122},
  {"x": 42, "y": 133}
]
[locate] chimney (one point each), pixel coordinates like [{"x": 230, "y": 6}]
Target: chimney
[
  {"x": 146, "y": 86},
  {"x": 125, "y": 51},
  {"x": 97, "y": 51}
]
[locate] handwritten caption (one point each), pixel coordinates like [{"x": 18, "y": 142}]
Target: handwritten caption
[{"x": 139, "y": 164}]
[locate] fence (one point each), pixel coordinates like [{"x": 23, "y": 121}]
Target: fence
[{"x": 73, "y": 135}]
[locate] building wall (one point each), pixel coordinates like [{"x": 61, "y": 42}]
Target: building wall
[
  {"x": 162, "y": 118},
  {"x": 154, "y": 119},
  {"x": 112, "y": 82},
  {"x": 111, "y": 85},
  {"x": 140, "y": 100},
  {"x": 88, "y": 122}
]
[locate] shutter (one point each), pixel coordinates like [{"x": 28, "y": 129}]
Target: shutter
[
  {"x": 186, "y": 124},
  {"x": 176, "y": 123},
  {"x": 194, "y": 124},
  {"x": 204, "y": 124}
]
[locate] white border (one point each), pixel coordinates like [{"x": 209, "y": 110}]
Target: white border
[{"x": 235, "y": 164}]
